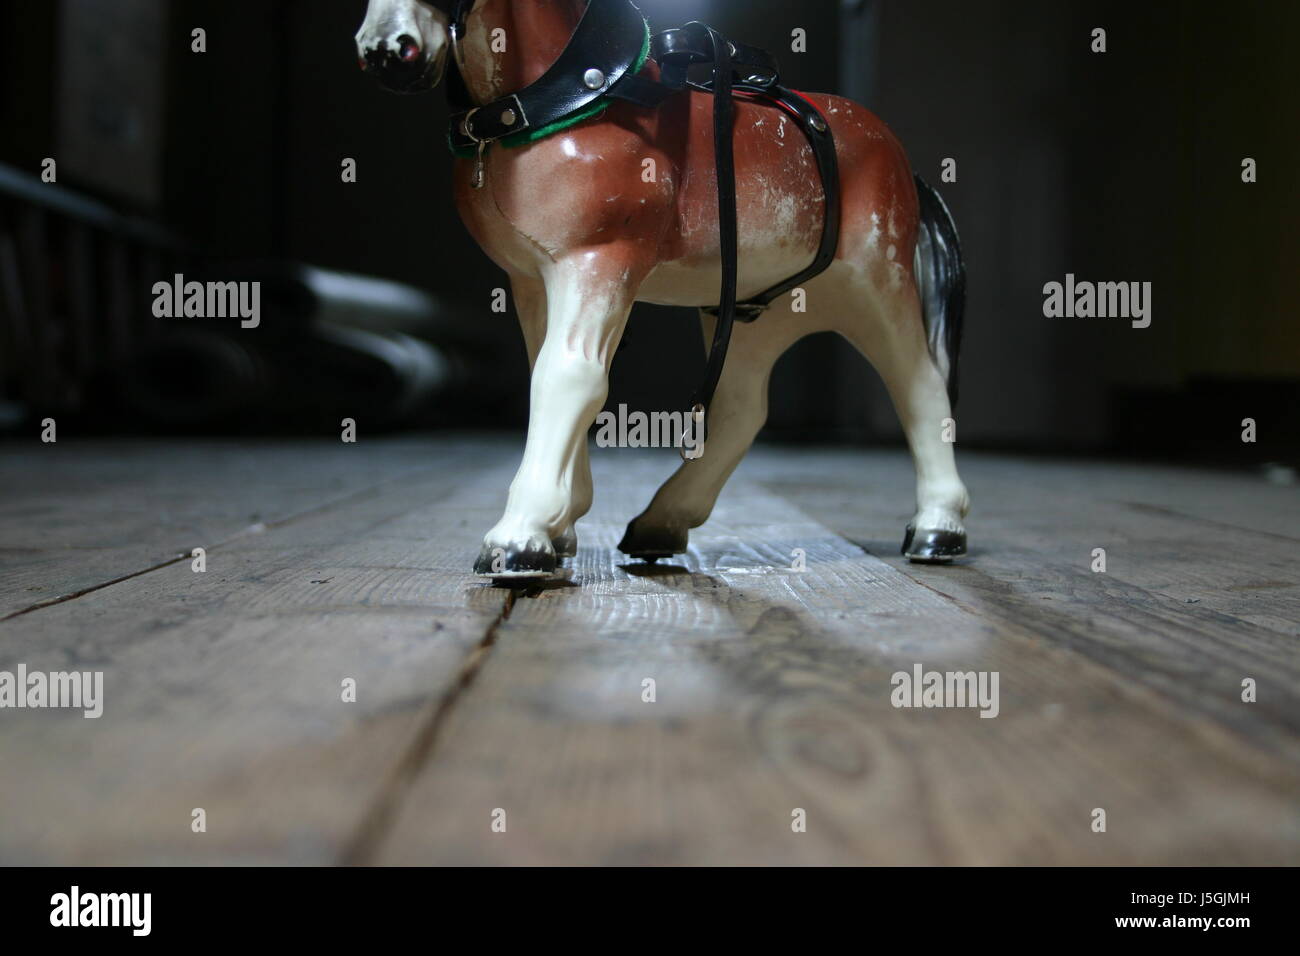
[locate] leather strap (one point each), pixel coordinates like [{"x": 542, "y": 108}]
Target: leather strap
[
  {"x": 723, "y": 121},
  {"x": 676, "y": 50},
  {"x": 822, "y": 141},
  {"x": 746, "y": 71}
]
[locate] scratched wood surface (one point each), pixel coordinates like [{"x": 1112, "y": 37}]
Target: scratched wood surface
[
  {"x": 223, "y": 689},
  {"x": 77, "y": 515},
  {"x": 1118, "y": 691}
]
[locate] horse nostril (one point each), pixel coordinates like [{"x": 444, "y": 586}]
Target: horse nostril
[
  {"x": 361, "y": 62},
  {"x": 407, "y": 49}
]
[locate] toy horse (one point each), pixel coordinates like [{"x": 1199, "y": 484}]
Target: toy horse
[{"x": 598, "y": 172}]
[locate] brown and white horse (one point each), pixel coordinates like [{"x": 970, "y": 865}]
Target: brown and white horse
[{"x": 582, "y": 236}]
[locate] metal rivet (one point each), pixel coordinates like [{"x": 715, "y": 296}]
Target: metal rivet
[
  {"x": 508, "y": 118},
  {"x": 818, "y": 124},
  {"x": 593, "y": 79}
]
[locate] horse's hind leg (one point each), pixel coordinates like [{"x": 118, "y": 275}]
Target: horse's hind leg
[
  {"x": 891, "y": 334},
  {"x": 738, "y": 411}
]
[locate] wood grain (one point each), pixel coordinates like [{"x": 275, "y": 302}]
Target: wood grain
[
  {"x": 773, "y": 694},
  {"x": 223, "y": 689},
  {"x": 77, "y": 514},
  {"x": 1118, "y": 690},
  {"x": 1200, "y": 588}
]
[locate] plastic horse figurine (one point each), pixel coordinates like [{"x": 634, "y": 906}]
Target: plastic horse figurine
[{"x": 568, "y": 211}]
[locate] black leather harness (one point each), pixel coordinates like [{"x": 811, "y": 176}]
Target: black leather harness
[{"x": 600, "y": 64}]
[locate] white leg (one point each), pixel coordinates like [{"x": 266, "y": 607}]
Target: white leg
[
  {"x": 738, "y": 412},
  {"x": 588, "y": 296},
  {"x": 899, "y": 352},
  {"x": 530, "y": 302}
]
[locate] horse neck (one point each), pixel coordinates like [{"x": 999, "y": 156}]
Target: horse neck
[{"x": 536, "y": 31}]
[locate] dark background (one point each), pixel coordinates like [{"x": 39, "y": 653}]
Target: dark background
[{"x": 1123, "y": 166}]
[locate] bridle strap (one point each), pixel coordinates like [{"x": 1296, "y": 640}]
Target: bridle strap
[{"x": 460, "y": 10}]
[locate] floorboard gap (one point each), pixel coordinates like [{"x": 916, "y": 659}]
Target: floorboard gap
[
  {"x": 361, "y": 494},
  {"x": 378, "y": 818},
  {"x": 94, "y": 587}
]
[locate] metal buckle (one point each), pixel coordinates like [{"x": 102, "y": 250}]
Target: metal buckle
[
  {"x": 465, "y": 128},
  {"x": 479, "y": 176},
  {"x": 521, "y": 121},
  {"x": 695, "y": 454}
]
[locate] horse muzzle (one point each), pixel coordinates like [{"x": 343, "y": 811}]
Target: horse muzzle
[{"x": 403, "y": 64}]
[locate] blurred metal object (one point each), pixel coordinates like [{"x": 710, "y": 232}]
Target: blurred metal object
[
  {"x": 366, "y": 302},
  {"x": 79, "y": 334}
]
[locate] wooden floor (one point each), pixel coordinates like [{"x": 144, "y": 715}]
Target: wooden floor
[{"x": 1118, "y": 690}]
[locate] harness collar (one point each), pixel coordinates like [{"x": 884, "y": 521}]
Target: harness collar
[{"x": 611, "y": 41}]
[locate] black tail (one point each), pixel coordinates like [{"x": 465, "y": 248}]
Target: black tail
[{"x": 941, "y": 280}]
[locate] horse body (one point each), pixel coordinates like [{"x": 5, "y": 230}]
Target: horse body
[
  {"x": 779, "y": 198},
  {"x": 623, "y": 207}
]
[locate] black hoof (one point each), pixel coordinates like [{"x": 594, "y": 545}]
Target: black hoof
[
  {"x": 566, "y": 545},
  {"x": 650, "y": 544},
  {"x": 934, "y": 547},
  {"x": 496, "y": 562}
]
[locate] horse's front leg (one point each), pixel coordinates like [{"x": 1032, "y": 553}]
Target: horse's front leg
[
  {"x": 588, "y": 296},
  {"x": 530, "y": 303}
]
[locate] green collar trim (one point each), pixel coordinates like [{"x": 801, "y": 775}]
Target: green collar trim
[{"x": 564, "y": 122}]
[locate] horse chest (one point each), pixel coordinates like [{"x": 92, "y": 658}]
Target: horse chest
[
  {"x": 571, "y": 192},
  {"x": 603, "y": 184}
]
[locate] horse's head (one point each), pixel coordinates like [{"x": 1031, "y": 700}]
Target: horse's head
[{"x": 404, "y": 43}]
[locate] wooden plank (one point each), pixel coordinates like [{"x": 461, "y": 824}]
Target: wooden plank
[
  {"x": 773, "y": 685},
  {"x": 223, "y": 689},
  {"x": 78, "y": 514},
  {"x": 1200, "y": 589},
  {"x": 773, "y": 693}
]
